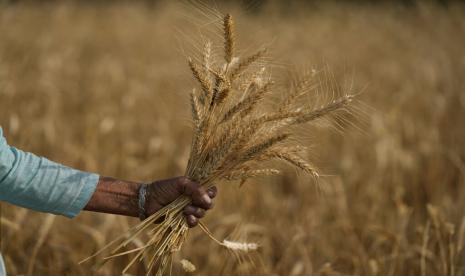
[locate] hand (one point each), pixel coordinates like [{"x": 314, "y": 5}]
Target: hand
[
  {"x": 163, "y": 192},
  {"x": 115, "y": 196}
]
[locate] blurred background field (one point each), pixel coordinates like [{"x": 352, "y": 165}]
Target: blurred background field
[{"x": 104, "y": 87}]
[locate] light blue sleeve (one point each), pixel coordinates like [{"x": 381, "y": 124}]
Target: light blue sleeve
[{"x": 39, "y": 184}]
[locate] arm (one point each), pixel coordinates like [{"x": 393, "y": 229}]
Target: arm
[
  {"x": 39, "y": 184},
  {"x": 121, "y": 197}
]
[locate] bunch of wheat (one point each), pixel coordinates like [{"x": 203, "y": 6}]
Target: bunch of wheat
[{"x": 234, "y": 137}]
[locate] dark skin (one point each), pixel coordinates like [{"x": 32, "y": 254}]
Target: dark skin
[{"x": 120, "y": 197}]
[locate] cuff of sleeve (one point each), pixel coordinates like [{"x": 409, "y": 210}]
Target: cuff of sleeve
[{"x": 80, "y": 201}]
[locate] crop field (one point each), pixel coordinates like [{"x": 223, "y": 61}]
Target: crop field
[{"x": 104, "y": 87}]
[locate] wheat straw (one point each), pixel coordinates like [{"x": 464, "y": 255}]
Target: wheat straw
[{"x": 234, "y": 137}]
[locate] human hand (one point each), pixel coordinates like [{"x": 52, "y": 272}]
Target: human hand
[{"x": 163, "y": 192}]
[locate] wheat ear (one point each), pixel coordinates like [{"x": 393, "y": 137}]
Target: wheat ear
[{"x": 229, "y": 40}]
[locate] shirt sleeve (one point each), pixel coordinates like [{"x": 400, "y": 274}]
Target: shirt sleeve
[{"x": 39, "y": 184}]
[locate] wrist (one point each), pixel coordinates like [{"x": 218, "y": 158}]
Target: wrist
[{"x": 115, "y": 196}]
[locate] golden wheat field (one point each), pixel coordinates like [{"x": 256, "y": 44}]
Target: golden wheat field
[{"x": 104, "y": 87}]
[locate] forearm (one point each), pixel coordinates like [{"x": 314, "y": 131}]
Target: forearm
[
  {"x": 114, "y": 196},
  {"x": 40, "y": 184}
]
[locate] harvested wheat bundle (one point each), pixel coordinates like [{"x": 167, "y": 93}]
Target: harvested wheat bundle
[{"x": 234, "y": 137}]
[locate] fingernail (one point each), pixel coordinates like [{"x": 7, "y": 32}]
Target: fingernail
[{"x": 206, "y": 199}]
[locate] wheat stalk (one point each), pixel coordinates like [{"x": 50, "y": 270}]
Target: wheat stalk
[
  {"x": 233, "y": 134},
  {"x": 202, "y": 78}
]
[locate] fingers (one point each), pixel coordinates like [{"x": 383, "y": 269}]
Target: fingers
[
  {"x": 192, "y": 221},
  {"x": 193, "y": 214},
  {"x": 212, "y": 191},
  {"x": 202, "y": 200},
  {"x": 195, "y": 211},
  {"x": 200, "y": 197}
]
